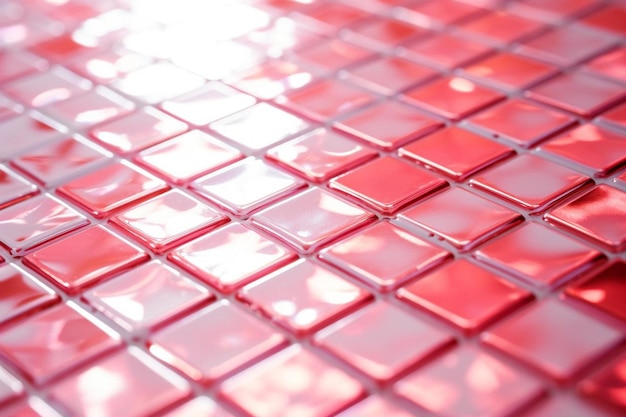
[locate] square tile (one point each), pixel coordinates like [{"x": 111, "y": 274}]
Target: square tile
[
  {"x": 199, "y": 406},
  {"x": 54, "y": 341},
  {"x": 567, "y": 406},
  {"x": 286, "y": 34},
  {"x": 387, "y": 184},
  {"x": 33, "y": 129},
  {"x": 500, "y": 28},
  {"x": 105, "y": 66},
  {"x": 61, "y": 48},
  {"x": 22, "y": 293},
  {"x": 530, "y": 182},
  {"x": 235, "y": 340},
  {"x": 231, "y": 257},
  {"x": 556, "y": 339},
  {"x": 14, "y": 188},
  {"x": 43, "y": 88},
  {"x": 610, "y": 64},
  {"x": 32, "y": 406},
  {"x": 556, "y": 11},
  {"x": 331, "y": 17},
  {"x": 319, "y": 389},
  {"x": 16, "y": 64},
  {"x": 374, "y": 406},
  {"x": 388, "y": 125},
  {"x": 311, "y": 219},
  {"x": 10, "y": 386},
  {"x": 602, "y": 386},
  {"x": 437, "y": 13},
  {"x": 367, "y": 338},
  {"x": 332, "y": 55},
  {"x": 134, "y": 299},
  {"x": 615, "y": 117},
  {"x": 383, "y": 33},
  {"x": 445, "y": 50},
  {"x": 384, "y": 256},
  {"x": 539, "y": 255},
  {"x": 609, "y": 18},
  {"x": 65, "y": 264},
  {"x": 603, "y": 222},
  {"x": 168, "y": 220},
  {"x": 455, "y": 152},
  {"x": 303, "y": 296}
]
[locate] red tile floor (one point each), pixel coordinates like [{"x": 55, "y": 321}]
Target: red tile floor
[{"x": 313, "y": 208}]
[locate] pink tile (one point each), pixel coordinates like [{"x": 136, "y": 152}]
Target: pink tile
[
  {"x": 597, "y": 215},
  {"x": 383, "y": 33},
  {"x": 434, "y": 13},
  {"x": 467, "y": 382},
  {"x": 65, "y": 264},
  {"x": 367, "y": 338},
  {"x": 30, "y": 407},
  {"x": 46, "y": 87},
  {"x": 445, "y": 50},
  {"x": 285, "y": 35},
  {"x": 332, "y": 55},
  {"x": 374, "y": 406},
  {"x": 331, "y": 17},
  {"x": 311, "y": 219},
  {"x": 199, "y": 406},
  {"x": 111, "y": 188},
  {"x": 235, "y": 339},
  {"x": 384, "y": 256},
  {"x": 606, "y": 386},
  {"x": 610, "y": 18},
  {"x": 134, "y": 300},
  {"x": 616, "y": 116},
  {"x": 231, "y": 256},
  {"x": 555, "y": 11},
  {"x": 33, "y": 131},
  {"x": 14, "y": 64},
  {"x": 611, "y": 64},
  {"x": 54, "y": 341},
  {"x": 567, "y": 406},
  {"x": 303, "y": 296},
  {"x": 554, "y": 338},
  {"x": 269, "y": 388},
  {"x": 61, "y": 48},
  {"x": 105, "y": 66},
  {"x": 501, "y": 28},
  {"x": 14, "y": 188},
  {"x": 10, "y": 386},
  {"x": 22, "y": 293}
]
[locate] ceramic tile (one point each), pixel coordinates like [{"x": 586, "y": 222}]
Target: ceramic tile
[
  {"x": 332, "y": 55},
  {"x": 501, "y": 28},
  {"x": 446, "y": 50}
]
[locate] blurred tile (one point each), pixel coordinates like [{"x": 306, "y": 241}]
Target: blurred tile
[
  {"x": 273, "y": 78},
  {"x": 43, "y": 88},
  {"x": 501, "y": 28},
  {"x": 383, "y": 33},
  {"x": 610, "y": 18},
  {"x": 445, "y": 50},
  {"x": 10, "y": 386},
  {"x": 375, "y": 406},
  {"x": 332, "y": 55},
  {"x": 33, "y": 130},
  {"x": 437, "y": 13},
  {"x": 611, "y": 64},
  {"x": 14, "y": 64},
  {"x": 106, "y": 66},
  {"x": 605, "y": 385},
  {"x": 199, "y": 406}
]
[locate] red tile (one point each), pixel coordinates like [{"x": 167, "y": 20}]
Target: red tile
[
  {"x": 473, "y": 298},
  {"x": 325, "y": 100},
  {"x": 311, "y": 219},
  {"x": 509, "y": 72},
  {"x": 331, "y": 17},
  {"x": 384, "y": 256},
  {"x": 32, "y": 131},
  {"x": 135, "y": 299},
  {"x": 246, "y": 186},
  {"x": 61, "y": 48},
  {"x": 46, "y": 87},
  {"x": 21, "y": 294},
  {"x": 387, "y": 184},
  {"x": 303, "y": 297},
  {"x": 578, "y": 93},
  {"x": 30, "y": 223},
  {"x": 615, "y": 117},
  {"x": 108, "y": 189},
  {"x": 126, "y": 383},
  {"x": 597, "y": 150},
  {"x": 273, "y": 78},
  {"x": 58, "y": 160},
  {"x": 284, "y": 35},
  {"x": 567, "y": 406},
  {"x": 137, "y": 131},
  {"x": 445, "y": 50},
  {"x": 168, "y": 220},
  {"x": 455, "y": 152},
  {"x": 620, "y": 180},
  {"x": 367, "y": 338},
  {"x": 452, "y": 97},
  {"x": 14, "y": 64},
  {"x": 231, "y": 257},
  {"x": 10, "y": 387},
  {"x": 434, "y": 13},
  {"x": 605, "y": 290},
  {"x": 259, "y": 126},
  {"x": 388, "y": 125},
  {"x": 65, "y": 265},
  {"x": 554, "y": 11},
  {"x": 530, "y": 182},
  {"x": 389, "y": 75},
  {"x": 375, "y": 406},
  {"x": 463, "y": 219},
  {"x": 607, "y": 385},
  {"x": 611, "y": 64},
  {"x": 610, "y": 18},
  {"x": 597, "y": 215},
  {"x": 554, "y": 338},
  {"x": 384, "y": 33},
  {"x": 187, "y": 156},
  {"x": 105, "y": 66},
  {"x": 521, "y": 122},
  {"x": 467, "y": 382},
  {"x": 54, "y": 341},
  {"x": 501, "y": 28},
  {"x": 269, "y": 388},
  {"x": 332, "y": 55},
  {"x": 234, "y": 339},
  {"x": 320, "y": 154},
  {"x": 539, "y": 255},
  {"x": 14, "y": 188},
  {"x": 199, "y": 406}
]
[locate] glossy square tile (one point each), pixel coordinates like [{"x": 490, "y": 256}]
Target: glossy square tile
[
  {"x": 555, "y": 11},
  {"x": 311, "y": 219},
  {"x": 384, "y": 256},
  {"x": 445, "y": 50},
  {"x": 469, "y": 382},
  {"x": 168, "y": 220},
  {"x": 105, "y": 66},
  {"x": 35, "y": 221},
  {"x": 366, "y": 338},
  {"x": 615, "y": 117},
  {"x": 384, "y": 33},
  {"x": 320, "y": 154},
  {"x": 501, "y": 28},
  {"x": 284, "y": 35},
  {"x": 605, "y": 385},
  {"x": 128, "y": 382},
  {"x": 530, "y": 182},
  {"x": 268, "y": 389},
  {"x": 110, "y": 188},
  {"x": 245, "y": 186},
  {"x": 61, "y": 48},
  {"x": 203, "y": 406},
  {"x": 332, "y": 55},
  {"x": 455, "y": 152},
  {"x": 610, "y": 18},
  {"x": 562, "y": 342},
  {"x": 611, "y": 65},
  {"x": 16, "y": 64},
  {"x": 14, "y": 188},
  {"x": 10, "y": 387},
  {"x": 561, "y": 406},
  {"x": 452, "y": 97},
  {"x": 434, "y": 13},
  {"x": 463, "y": 219},
  {"x": 73, "y": 270},
  {"x": 539, "y": 255},
  {"x": 331, "y": 17},
  {"x": 316, "y": 296},
  {"x": 134, "y": 299},
  {"x": 375, "y": 406},
  {"x": 22, "y": 293},
  {"x": 388, "y": 125},
  {"x": 55, "y": 340},
  {"x": 387, "y": 184},
  {"x": 32, "y": 129},
  {"x": 30, "y": 407},
  {"x": 598, "y": 215},
  {"x": 231, "y": 257},
  {"x": 236, "y": 340},
  {"x": 44, "y": 88}
]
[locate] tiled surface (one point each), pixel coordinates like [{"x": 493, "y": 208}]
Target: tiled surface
[{"x": 312, "y": 208}]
